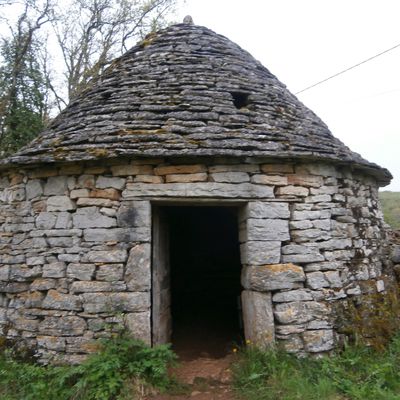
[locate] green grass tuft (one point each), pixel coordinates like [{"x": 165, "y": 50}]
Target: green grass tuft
[{"x": 391, "y": 208}]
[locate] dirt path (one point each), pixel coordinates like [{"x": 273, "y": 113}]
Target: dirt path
[{"x": 207, "y": 379}]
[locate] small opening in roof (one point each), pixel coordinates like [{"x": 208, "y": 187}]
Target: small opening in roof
[{"x": 240, "y": 99}]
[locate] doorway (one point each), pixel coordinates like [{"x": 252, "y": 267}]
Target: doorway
[{"x": 196, "y": 269}]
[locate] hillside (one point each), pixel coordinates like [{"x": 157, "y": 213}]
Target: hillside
[{"x": 391, "y": 208}]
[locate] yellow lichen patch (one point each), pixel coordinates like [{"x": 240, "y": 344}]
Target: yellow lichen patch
[{"x": 284, "y": 267}]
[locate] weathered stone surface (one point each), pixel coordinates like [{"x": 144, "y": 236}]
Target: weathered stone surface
[
  {"x": 138, "y": 271},
  {"x": 60, "y": 203},
  {"x": 138, "y": 324},
  {"x": 64, "y": 220},
  {"x": 301, "y": 253},
  {"x": 77, "y": 193},
  {"x": 258, "y": 318},
  {"x": 110, "y": 272},
  {"x": 260, "y": 252},
  {"x": 148, "y": 179},
  {"x": 90, "y": 217},
  {"x": 104, "y": 182},
  {"x": 43, "y": 284},
  {"x": 265, "y": 229},
  {"x": 299, "y": 312},
  {"x": 318, "y": 341},
  {"x": 54, "y": 270},
  {"x": 51, "y": 343},
  {"x": 136, "y": 234},
  {"x": 34, "y": 188},
  {"x": 230, "y": 177},
  {"x": 56, "y": 186},
  {"x": 110, "y": 256},
  {"x": 277, "y": 168},
  {"x": 264, "y": 210},
  {"x": 82, "y": 272},
  {"x": 292, "y": 191},
  {"x": 5, "y": 273},
  {"x": 302, "y": 236},
  {"x": 60, "y": 301},
  {"x": 126, "y": 170},
  {"x": 336, "y": 244},
  {"x": 96, "y": 202},
  {"x": 116, "y": 302},
  {"x": 94, "y": 286},
  {"x": 292, "y": 295},
  {"x": 310, "y": 215},
  {"x": 305, "y": 180},
  {"x": 134, "y": 213},
  {"x": 65, "y": 326},
  {"x": 180, "y": 169},
  {"x": 272, "y": 277},
  {"x": 24, "y": 273},
  {"x": 273, "y": 180},
  {"x": 185, "y": 178},
  {"x": 111, "y": 194},
  {"x": 202, "y": 189},
  {"x": 316, "y": 280}
]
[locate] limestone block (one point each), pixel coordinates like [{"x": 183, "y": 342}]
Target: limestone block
[
  {"x": 54, "y": 270},
  {"x": 322, "y": 198},
  {"x": 292, "y": 295},
  {"x": 134, "y": 213},
  {"x": 23, "y": 324},
  {"x": 5, "y": 273},
  {"x": 230, "y": 177},
  {"x": 56, "y": 186},
  {"x": 137, "y": 234},
  {"x": 60, "y": 203},
  {"x": 283, "y": 330},
  {"x": 95, "y": 202},
  {"x": 64, "y": 220},
  {"x": 66, "y": 242},
  {"x": 35, "y": 260},
  {"x": 318, "y": 341},
  {"x": 180, "y": 169},
  {"x": 90, "y": 217},
  {"x": 34, "y": 188},
  {"x": 310, "y": 215},
  {"x": 94, "y": 286},
  {"x": 110, "y": 193},
  {"x": 109, "y": 212},
  {"x": 201, "y": 189},
  {"x": 148, "y": 179},
  {"x": 260, "y": 252},
  {"x": 323, "y": 224},
  {"x": 126, "y": 170},
  {"x": 250, "y": 168},
  {"x": 116, "y": 302},
  {"x": 24, "y": 273},
  {"x": 73, "y": 258},
  {"x": 273, "y": 180},
  {"x": 60, "y": 301},
  {"x": 331, "y": 190},
  {"x": 277, "y": 168},
  {"x": 342, "y": 255},
  {"x": 292, "y": 191},
  {"x": 316, "y": 280},
  {"x": 110, "y": 272},
  {"x": 75, "y": 194},
  {"x": 68, "y": 325},
  {"x": 335, "y": 244},
  {"x": 265, "y": 210},
  {"x": 265, "y": 230},
  {"x": 291, "y": 343},
  {"x": 43, "y": 284},
  {"x": 301, "y": 236},
  {"x": 300, "y": 312},
  {"x": 56, "y": 233},
  {"x": 185, "y": 178},
  {"x": 13, "y": 287},
  {"x": 139, "y": 325},
  {"x": 317, "y": 169},
  {"x": 258, "y": 318},
  {"x": 82, "y": 272},
  {"x": 296, "y": 253},
  {"x": 272, "y": 277},
  {"x": 333, "y": 277},
  {"x": 110, "y": 256},
  {"x": 55, "y": 343},
  {"x": 138, "y": 271},
  {"x": 104, "y": 182},
  {"x": 300, "y": 224},
  {"x": 305, "y": 180}
]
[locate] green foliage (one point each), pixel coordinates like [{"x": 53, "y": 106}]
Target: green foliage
[
  {"x": 391, "y": 208},
  {"x": 120, "y": 370},
  {"x": 358, "y": 373}
]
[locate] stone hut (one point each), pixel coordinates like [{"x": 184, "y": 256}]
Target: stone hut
[{"x": 185, "y": 178}]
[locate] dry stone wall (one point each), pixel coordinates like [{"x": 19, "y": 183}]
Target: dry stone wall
[{"x": 75, "y": 248}]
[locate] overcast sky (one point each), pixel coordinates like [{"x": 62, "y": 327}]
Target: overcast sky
[{"x": 305, "y": 41}]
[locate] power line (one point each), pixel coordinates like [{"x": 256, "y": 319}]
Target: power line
[{"x": 348, "y": 69}]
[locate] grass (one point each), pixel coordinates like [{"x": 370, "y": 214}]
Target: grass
[
  {"x": 358, "y": 373},
  {"x": 391, "y": 208},
  {"x": 124, "y": 368}
]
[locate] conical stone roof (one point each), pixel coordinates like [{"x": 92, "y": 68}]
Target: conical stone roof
[{"x": 187, "y": 91}]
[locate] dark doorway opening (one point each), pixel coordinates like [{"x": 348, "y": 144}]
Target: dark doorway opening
[{"x": 205, "y": 280}]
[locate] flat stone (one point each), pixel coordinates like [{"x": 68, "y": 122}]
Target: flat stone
[
  {"x": 316, "y": 280},
  {"x": 317, "y": 169},
  {"x": 68, "y": 325},
  {"x": 82, "y": 272},
  {"x": 136, "y": 234},
  {"x": 64, "y": 220},
  {"x": 66, "y": 242},
  {"x": 258, "y": 318},
  {"x": 264, "y": 210},
  {"x": 77, "y": 193},
  {"x": 336, "y": 244},
  {"x": 302, "y": 236},
  {"x": 318, "y": 341},
  {"x": 230, "y": 177},
  {"x": 291, "y": 343},
  {"x": 185, "y": 178},
  {"x": 116, "y": 302},
  {"x": 110, "y": 193},
  {"x": 60, "y": 203},
  {"x": 110, "y": 256},
  {"x": 201, "y": 189},
  {"x": 272, "y": 277},
  {"x": 36, "y": 260},
  {"x": 56, "y": 186},
  {"x": 292, "y": 295},
  {"x": 277, "y": 168},
  {"x": 5, "y": 273},
  {"x": 90, "y": 217},
  {"x": 180, "y": 169},
  {"x": 134, "y": 214},
  {"x": 138, "y": 271},
  {"x": 110, "y": 272},
  {"x": 333, "y": 277},
  {"x": 96, "y": 202},
  {"x": 51, "y": 343},
  {"x": 94, "y": 286},
  {"x": 273, "y": 180},
  {"x": 260, "y": 252},
  {"x": 54, "y": 270},
  {"x": 24, "y": 273},
  {"x": 126, "y": 170},
  {"x": 60, "y": 301},
  {"x": 305, "y": 180},
  {"x": 43, "y": 284},
  {"x": 265, "y": 229},
  {"x": 139, "y": 326},
  {"x": 296, "y": 253},
  {"x": 104, "y": 182},
  {"x": 290, "y": 190},
  {"x": 299, "y": 312},
  {"x": 310, "y": 215},
  {"x": 148, "y": 179},
  {"x": 34, "y": 188}
]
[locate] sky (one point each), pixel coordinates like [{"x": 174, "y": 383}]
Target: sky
[{"x": 305, "y": 41}]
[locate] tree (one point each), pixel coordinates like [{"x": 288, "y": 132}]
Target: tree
[{"x": 87, "y": 34}]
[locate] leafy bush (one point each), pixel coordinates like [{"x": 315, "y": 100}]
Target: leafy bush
[
  {"x": 121, "y": 363},
  {"x": 358, "y": 373}
]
